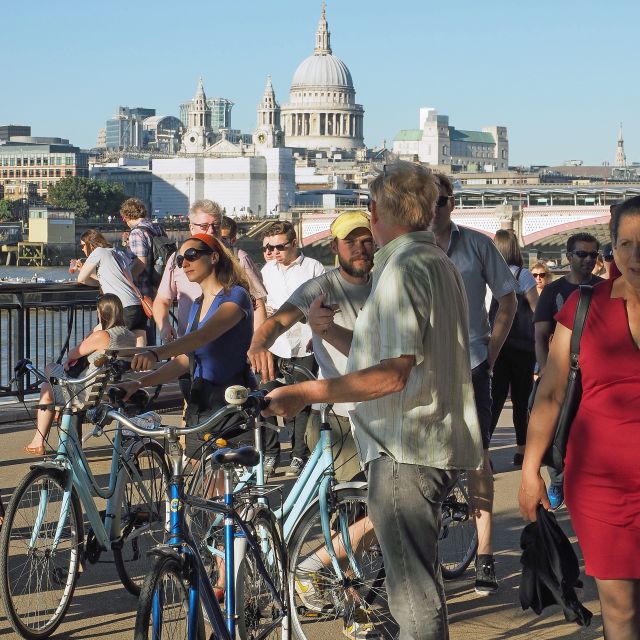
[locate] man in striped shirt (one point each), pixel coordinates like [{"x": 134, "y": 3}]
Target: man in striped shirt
[{"x": 409, "y": 372}]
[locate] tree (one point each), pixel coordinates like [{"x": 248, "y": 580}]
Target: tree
[
  {"x": 87, "y": 197},
  {"x": 6, "y": 210}
]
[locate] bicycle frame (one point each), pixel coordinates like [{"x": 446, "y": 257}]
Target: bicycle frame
[
  {"x": 71, "y": 459},
  {"x": 181, "y": 542}
]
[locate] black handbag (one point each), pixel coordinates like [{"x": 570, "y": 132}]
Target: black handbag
[
  {"x": 78, "y": 367},
  {"x": 554, "y": 457}
]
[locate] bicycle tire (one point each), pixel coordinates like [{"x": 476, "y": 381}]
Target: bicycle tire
[
  {"x": 458, "y": 541},
  {"x": 143, "y": 524},
  {"x": 255, "y": 606},
  {"x": 170, "y": 575},
  {"x": 33, "y": 604},
  {"x": 337, "y": 604}
]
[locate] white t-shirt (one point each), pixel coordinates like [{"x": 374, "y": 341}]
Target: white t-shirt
[
  {"x": 111, "y": 277},
  {"x": 280, "y": 283},
  {"x": 350, "y": 298}
]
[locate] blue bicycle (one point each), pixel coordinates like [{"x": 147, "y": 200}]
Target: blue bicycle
[
  {"x": 179, "y": 585},
  {"x": 43, "y": 544}
]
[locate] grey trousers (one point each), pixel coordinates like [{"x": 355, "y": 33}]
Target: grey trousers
[{"x": 405, "y": 506}]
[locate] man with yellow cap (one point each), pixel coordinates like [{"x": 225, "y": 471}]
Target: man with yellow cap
[{"x": 347, "y": 287}]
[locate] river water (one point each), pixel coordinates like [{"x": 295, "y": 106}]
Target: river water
[{"x": 27, "y": 273}]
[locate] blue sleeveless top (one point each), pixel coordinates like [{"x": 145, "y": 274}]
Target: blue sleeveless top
[{"x": 221, "y": 360}]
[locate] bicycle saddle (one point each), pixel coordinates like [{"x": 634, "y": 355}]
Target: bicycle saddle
[{"x": 246, "y": 456}]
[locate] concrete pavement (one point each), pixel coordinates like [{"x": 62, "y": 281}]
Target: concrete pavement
[{"x": 101, "y": 608}]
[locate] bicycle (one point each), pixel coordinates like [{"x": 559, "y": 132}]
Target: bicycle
[
  {"x": 458, "y": 539},
  {"x": 254, "y": 557},
  {"x": 336, "y": 569},
  {"x": 42, "y": 543}
]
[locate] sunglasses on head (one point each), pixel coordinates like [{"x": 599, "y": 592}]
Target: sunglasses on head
[
  {"x": 442, "y": 201},
  {"x": 190, "y": 255},
  {"x": 584, "y": 254},
  {"x": 276, "y": 247}
]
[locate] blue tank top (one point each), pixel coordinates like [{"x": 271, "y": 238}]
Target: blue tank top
[{"x": 223, "y": 359}]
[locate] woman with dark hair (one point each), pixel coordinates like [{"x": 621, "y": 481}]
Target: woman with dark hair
[
  {"x": 219, "y": 333},
  {"x": 515, "y": 364},
  {"x": 110, "y": 269},
  {"x": 109, "y": 334},
  {"x": 602, "y": 474}
]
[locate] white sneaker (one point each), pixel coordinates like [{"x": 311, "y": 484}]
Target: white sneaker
[
  {"x": 310, "y": 587},
  {"x": 360, "y": 626}
]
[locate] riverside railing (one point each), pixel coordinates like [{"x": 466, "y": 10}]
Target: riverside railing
[{"x": 41, "y": 322}]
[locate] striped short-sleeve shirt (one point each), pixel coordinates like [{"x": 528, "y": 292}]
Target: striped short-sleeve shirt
[{"x": 417, "y": 307}]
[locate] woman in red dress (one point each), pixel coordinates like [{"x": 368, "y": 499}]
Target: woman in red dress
[{"x": 602, "y": 473}]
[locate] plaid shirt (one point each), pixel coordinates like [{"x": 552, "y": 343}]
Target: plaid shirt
[{"x": 140, "y": 247}]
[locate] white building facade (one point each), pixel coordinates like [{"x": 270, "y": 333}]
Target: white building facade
[
  {"x": 436, "y": 142},
  {"x": 243, "y": 185}
]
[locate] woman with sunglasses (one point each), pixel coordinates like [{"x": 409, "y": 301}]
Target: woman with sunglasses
[
  {"x": 541, "y": 274},
  {"x": 219, "y": 333},
  {"x": 109, "y": 268}
]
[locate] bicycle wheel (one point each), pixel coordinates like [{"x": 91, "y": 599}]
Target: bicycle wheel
[
  {"x": 458, "y": 539},
  {"x": 143, "y": 519},
  {"x": 40, "y": 550},
  {"x": 255, "y": 605},
  {"x": 322, "y": 605},
  {"x": 167, "y": 581}
]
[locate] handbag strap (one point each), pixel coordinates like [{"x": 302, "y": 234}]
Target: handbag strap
[
  {"x": 586, "y": 292},
  {"x": 125, "y": 273}
]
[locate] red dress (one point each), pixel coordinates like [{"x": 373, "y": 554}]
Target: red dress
[{"x": 602, "y": 474}]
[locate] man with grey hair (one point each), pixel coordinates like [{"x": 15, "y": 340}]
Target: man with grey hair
[
  {"x": 408, "y": 371},
  {"x": 205, "y": 216}
]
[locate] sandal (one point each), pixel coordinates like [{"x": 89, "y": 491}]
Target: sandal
[{"x": 34, "y": 451}]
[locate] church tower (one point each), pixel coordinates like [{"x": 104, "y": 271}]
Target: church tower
[
  {"x": 199, "y": 134},
  {"x": 621, "y": 158},
  {"x": 268, "y": 132}
]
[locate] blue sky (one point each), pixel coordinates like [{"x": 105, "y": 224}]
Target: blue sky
[{"x": 560, "y": 74}]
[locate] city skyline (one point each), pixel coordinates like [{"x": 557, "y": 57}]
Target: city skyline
[{"x": 554, "y": 75}]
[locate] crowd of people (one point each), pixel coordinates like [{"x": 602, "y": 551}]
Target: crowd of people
[{"x": 417, "y": 336}]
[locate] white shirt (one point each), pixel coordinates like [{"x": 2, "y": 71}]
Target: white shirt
[{"x": 280, "y": 283}]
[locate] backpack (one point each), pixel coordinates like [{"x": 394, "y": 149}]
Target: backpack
[
  {"x": 161, "y": 248},
  {"x": 522, "y": 333}
]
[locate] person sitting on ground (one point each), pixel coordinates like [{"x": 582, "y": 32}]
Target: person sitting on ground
[
  {"x": 219, "y": 331},
  {"x": 111, "y": 333},
  {"x": 109, "y": 268}
]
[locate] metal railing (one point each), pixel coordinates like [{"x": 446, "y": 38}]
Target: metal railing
[{"x": 41, "y": 322}]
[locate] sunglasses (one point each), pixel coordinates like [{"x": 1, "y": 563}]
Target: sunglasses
[
  {"x": 539, "y": 275},
  {"x": 442, "y": 201},
  {"x": 584, "y": 254},
  {"x": 206, "y": 226},
  {"x": 276, "y": 247},
  {"x": 190, "y": 255}
]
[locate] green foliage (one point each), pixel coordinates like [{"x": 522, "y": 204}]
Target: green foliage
[
  {"x": 87, "y": 197},
  {"x": 6, "y": 210}
]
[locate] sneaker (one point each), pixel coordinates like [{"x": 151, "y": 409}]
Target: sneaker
[
  {"x": 518, "y": 459},
  {"x": 311, "y": 586},
  {"x": 486, "y": 582},
  {"x": 555, "y": 493},
  {"x": 270, "y": 464},
  {"x": 360, "y": 627},
  {"x": 295, "y": 468}
]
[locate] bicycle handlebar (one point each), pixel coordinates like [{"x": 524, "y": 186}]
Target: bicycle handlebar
[
  {"x": 240, "y": 400},
  {"x": 290, "y": 368}
]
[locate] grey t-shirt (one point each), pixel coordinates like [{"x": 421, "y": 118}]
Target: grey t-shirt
[
  {"x": 350, "y": 298},
  {"x": 480, "y": 264},
  {"x": 109, "y": 271}
]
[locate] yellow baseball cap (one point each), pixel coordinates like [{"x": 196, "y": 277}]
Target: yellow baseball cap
[{"x": 346, "y": 222}]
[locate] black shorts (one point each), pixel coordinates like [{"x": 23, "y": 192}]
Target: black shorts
[
  {"x": 135, "y": 318},
  {"x": 482, "y": 391}
]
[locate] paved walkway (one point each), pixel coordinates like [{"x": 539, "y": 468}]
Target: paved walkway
[{"x": 101, "y": 608}]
